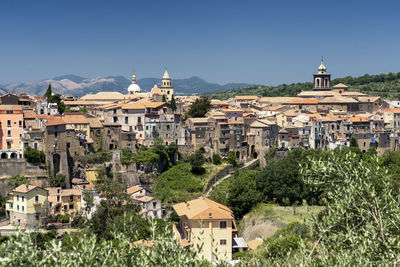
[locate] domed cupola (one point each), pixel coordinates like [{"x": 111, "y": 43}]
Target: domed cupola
[{"x": 133, "y": 88}]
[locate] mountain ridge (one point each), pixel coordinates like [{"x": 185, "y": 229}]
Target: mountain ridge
[{"x": 71, "y": 84}]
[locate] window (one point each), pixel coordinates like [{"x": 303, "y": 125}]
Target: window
[
  {"x": 36, "y": 199},
  {"x": 222, "y": 242},
  {"x": 139, "y": 120},
  {"x": 71, "y": 206},
  {"x": 17, "y": 207},
  {"x": 222, "y": 224},
  {"x": 115, "y": 119},
  {"x": 71, "y": 198},
  {"x": 17, "y": 197},
  {"x": 23, "y": 208},
  {"x": 9, "y": 133},
  {"x": 9, "y": 112},
  {"x": 126, "y": 120},
  {"x": 8, "y": 123},
  {"x": 20, "y": 123},
  {"x": 154, "y": 205},
  {"x": 22, "y": 198},
  {"x": 58, "y": 198},
  {"x": 56, "y": 134},
  {"x": 167, "y": 127},
  {"x": 11, "y": 205}
]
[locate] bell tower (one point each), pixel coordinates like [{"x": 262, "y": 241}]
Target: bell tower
[
  {"x": 166, "y": 86},
  {"x": 322, "y": 80}
]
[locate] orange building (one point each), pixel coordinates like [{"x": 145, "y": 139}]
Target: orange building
[{"x": 11, "y": 127}]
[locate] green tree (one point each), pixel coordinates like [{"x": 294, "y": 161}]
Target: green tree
[
  {"x": 281, "y": 180},
  {"x": 58, "y": 181},
  {"x": 34, "y": 156},
  {"x": 49, "y": 92},
  {"x": 115, "y": 204},
  {"x": 17, "y": 180},
  {"x": 353, "y": 142},
  {"x": 232, "y": 158},
  {"x": 173, "y": 103},
  {"x": 196, "y": 161},
  {"x": 243, "y": 195},
  {"x": 216, "y": 159},
  {"x": 199, "y": 108}
]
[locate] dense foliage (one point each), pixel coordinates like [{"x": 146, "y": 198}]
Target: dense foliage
[
  {"x": 199, "y": 108},
  {"x": 159, "y": 154},
  {"x": 384, "y": 85},
  {"x": 16, "y": 180},
  {"x": 34, "y": 156},
  {"x": 178, "y": 184},
  {"x": 57, "y": 181},
  {"x": 196, "y": 161},
  {"x": 55, "y": 98}
]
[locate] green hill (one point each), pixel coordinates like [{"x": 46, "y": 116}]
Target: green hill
[{"x": 384, "y": 85}]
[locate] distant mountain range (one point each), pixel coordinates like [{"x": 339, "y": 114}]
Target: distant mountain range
[{"x": 78, "y": 86}]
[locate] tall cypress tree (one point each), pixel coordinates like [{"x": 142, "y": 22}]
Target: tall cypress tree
[
  {"x": 49, "y": 92},
  {"x": 173, "y": 103}
]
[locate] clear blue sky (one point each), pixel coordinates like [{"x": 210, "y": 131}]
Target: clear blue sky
[{"x": 264, "y": 42}]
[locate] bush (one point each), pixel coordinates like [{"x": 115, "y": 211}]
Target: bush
[
  {"x": 78, "y": 221},
  {"x": 34, "y": 156},
  {"x": 217, "y": 159},
  {"x": 64, "y": 218},
  {"x": 196, "y": 161},
  {"x": 232, "y": 159},
  {"x": 58, "y": 181}
]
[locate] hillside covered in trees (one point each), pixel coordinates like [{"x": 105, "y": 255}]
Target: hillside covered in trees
[{"x": 384, "y": 85}]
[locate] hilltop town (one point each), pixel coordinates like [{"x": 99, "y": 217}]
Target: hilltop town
[{"x": 61, "y": 156}]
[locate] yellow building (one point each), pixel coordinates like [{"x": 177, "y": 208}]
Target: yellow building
[
  {"x": 64, "y": 201},
  {"x": 207, "y": 223},
  {"x": 27, "y": 206}
]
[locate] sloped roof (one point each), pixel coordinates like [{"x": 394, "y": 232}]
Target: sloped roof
[
  {"x": 358, "y": 119},
  {"x": 368, "y": 98},
  {"x": 71, "y": 192},
  {"x": 317, "y": 93},
  {"x": 112, "y": 96},
  {"x": 338, "y": 99},
  {"x": 94, "y": 123},
  {"x": 24, "y": 188},
  {"x": 29, "y": 114},
  {"x": 54, "y": 121},
  {"x": 306, "y": 101},
  {"x": 350, "y": 93},
  {"x": 203, "y": 208},
  {"x": 340, "y": 85},
  {"x": 153, "y": 104},
  {"x": 10, "y": 107},
  {"x": 133, "y": 189},
  {"x": 393, "y": 110},
  {"x": 132, "y": 106},
  {"x": 75, "y": 119},
  {"x": 246, "y": 97},
  {"x": 277, "y": 99}
]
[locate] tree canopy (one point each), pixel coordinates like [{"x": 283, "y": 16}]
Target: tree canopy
[{"x": 199, "y": 108}]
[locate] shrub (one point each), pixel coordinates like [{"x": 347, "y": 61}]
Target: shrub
[
  {"x": 34, "y": 156},
  {"x": 64, "y": 218},
  {"x": 232, "y": 159},
  {"x": 196, "y": 161},
  {"x": 216, "y": 159}
]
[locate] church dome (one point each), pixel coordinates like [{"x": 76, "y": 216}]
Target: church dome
[{"x": 134, "y": 88}]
